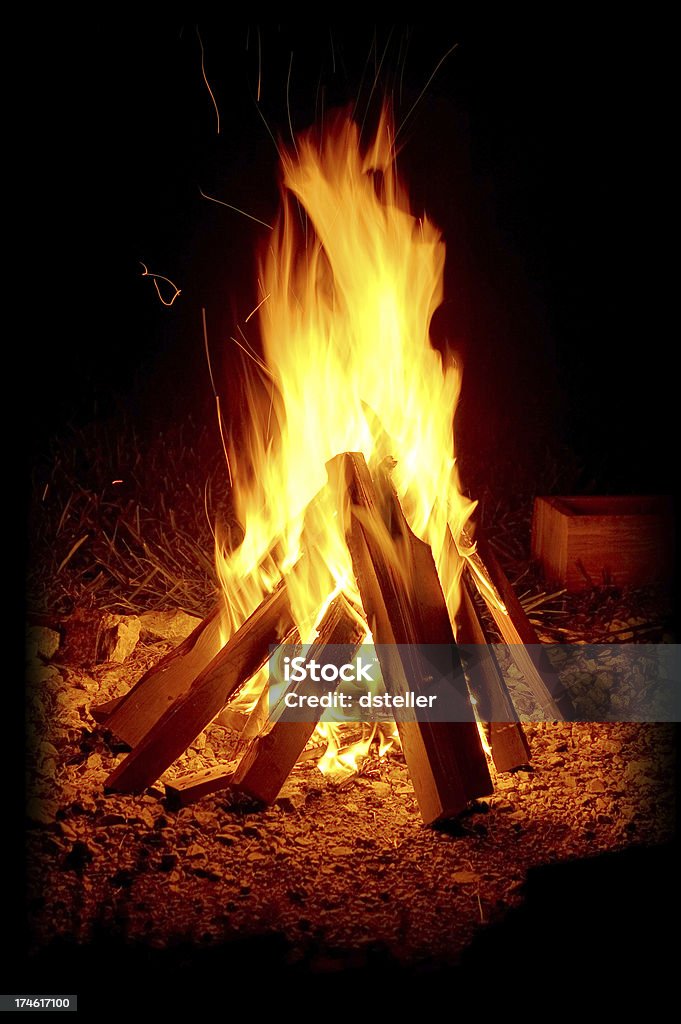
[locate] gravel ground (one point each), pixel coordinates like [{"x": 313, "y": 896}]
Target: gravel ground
[{"x": 334, "y": 875}]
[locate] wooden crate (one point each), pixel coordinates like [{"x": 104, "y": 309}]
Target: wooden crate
[{"x": 585, "y": 541}]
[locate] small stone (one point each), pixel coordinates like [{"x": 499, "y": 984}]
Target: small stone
[
  {"x": 38, "y": 674},
  {"x": 41, "y": 642},
  {"x": 465, "y": 877},
  {"x": 382, "y": 789},
  {"x": 112, "y": 819},
  {"x": 41, "y": 812},
  {"x": 174, "y": 626},
  {"x": 204, "y": 818},
  {"x": 196, "y": 850},
  {"x": 256, "y": 856},
  {"x": 226, "y": 838},
  {"x": 290, "y": 799},
  {"x": 118, "y": 637},
  {"x": 81, "y": 634},
  {"x": 341, "y": 851},
  {"x": 597, "y": 786}
]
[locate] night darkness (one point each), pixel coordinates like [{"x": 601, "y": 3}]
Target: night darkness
[{"x": 532, "y": 149}]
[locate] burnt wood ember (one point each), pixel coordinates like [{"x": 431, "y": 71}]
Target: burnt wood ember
[
  {"x": 508, "y": 744},
  {"x": 446, "y": 762},
  {"x": 190, "y": 713}
]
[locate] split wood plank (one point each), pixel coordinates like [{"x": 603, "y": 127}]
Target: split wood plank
[
  {"x": 269, "y": 759},
  {"x": 517, "y": 631},
  {"x": 446, "y": 762},
  {"x": 169, "y": 679},
  {"x": 494, "y": 705},
  {"x": 187, "y": 789},
  {"x": 100, "y": 712},
  {"x": 190, "y": 713}
]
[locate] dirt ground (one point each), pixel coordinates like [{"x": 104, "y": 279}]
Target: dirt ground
[{"x": 334, "y": 875}]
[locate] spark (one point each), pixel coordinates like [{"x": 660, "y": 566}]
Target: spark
[
  {"x": 257, "y": 98},
  {"x": 361, "y": 81},
  {"x": 251, "y": 353},
  {"x": 159, "y": 277},
  {"x": 421, "y": 94},
  {"x": 205, "y": 506},
  {"x": 404, "y": 61},
  {"x": 288, "y": 103},
  {"x": 377, "y": 71},
  {"x": 269, "y": 130},
  {"x": 229, "y": 206},
  {"x": 203, "y": 72},
  {"x": 253, "y": 311},
  {"x": 216, "y": 396}
]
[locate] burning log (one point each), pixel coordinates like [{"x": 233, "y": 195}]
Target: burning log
[
  {"x": 191, "y": 712},
  {"x": 506, "y": 737},
  {"x": 271, "y": 756},
  {"x": 130, "y": 717},
  {"x": 446, "y": 762},
  {"x": 265, "y": 766},
  {"x": 517, "y": 631}
]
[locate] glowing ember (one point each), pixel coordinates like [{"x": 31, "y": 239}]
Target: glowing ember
[{"x": 349, "y": 283}]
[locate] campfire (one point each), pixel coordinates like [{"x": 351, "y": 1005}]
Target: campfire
[{"x": 356, "y": 533}]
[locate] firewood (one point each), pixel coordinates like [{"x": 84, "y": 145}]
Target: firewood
[
  {"x": 190, "y": 713},
  {"x": 167, "y": 680},
  {"x": 187, "y": 789},
  {"x": 100, "y": 712},
  {"x": 269, "y": 759},
  {"x": 517, "y": 631},
  {"x": 446, "y": 762},
  {"x": 494, "y": 706}
]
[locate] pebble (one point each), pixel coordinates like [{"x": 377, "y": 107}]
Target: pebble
[{"x": 112, "y": 819}]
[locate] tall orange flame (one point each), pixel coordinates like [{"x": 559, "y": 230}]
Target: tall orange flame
[{"x": 350, "y": 282}]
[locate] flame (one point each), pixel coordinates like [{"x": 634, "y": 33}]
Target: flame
[{"x": 349, "y": 283}]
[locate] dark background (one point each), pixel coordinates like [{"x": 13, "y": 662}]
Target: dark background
[{"x": 534, "y": 148}]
